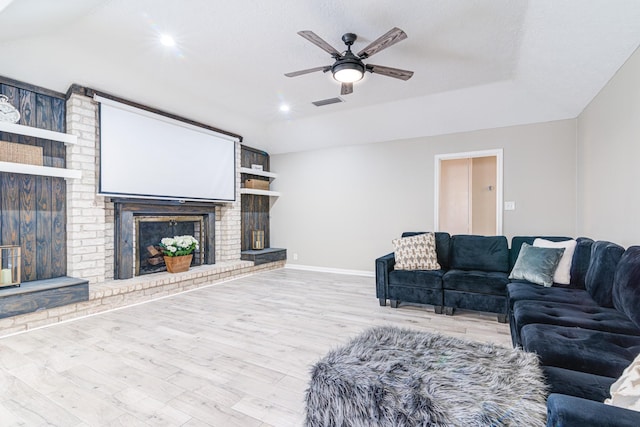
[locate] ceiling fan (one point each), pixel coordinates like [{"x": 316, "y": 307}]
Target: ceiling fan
[{"x": 348, "y": 67}]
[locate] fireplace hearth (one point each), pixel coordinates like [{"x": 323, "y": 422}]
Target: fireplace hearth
[{"x": 140, "y": 224}]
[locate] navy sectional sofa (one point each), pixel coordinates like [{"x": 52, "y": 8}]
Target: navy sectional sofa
[
  {"x": 474, "y": 274},
  {"x": 587, "y": 339},
  {"x": 585, "y": 333}
]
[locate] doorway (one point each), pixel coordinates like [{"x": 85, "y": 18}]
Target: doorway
[{"x": 468, "y": 193}]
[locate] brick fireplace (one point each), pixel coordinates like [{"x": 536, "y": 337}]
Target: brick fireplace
[
  {"x": 197, "y": 219},
  {"x": 101, "y": 234},
  {"x": 94, "y": 235}
]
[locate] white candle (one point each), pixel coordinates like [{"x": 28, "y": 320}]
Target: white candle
[{"x": 5, "y": 276}]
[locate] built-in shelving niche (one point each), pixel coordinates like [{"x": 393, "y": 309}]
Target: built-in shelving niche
[
  {"x": 33, "y": 202},
  {"x": 255, "y": 206}
]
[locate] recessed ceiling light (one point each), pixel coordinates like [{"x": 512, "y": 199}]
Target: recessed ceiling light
[
  {"x": 167, "y": 40},
  {"x": 284, "y": 108}
]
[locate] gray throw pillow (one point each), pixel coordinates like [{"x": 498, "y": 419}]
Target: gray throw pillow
[{"x": 536, "y": 265}]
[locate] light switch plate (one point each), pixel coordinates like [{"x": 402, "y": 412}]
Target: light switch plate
[{"x": 509, "y": 206}]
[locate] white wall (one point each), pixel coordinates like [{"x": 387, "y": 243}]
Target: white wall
[
  {"x": 341, "y": 207},
  {"x": 609, "y": 160}
]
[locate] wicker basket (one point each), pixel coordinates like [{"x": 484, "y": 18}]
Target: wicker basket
[
  {"x": 20, "y": 153},
  {"x": 178, "y": 264}
]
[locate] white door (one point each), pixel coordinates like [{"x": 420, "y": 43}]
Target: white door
[
  {"x": 455, "y": 196},
  {"x": 469, "y": 193}
]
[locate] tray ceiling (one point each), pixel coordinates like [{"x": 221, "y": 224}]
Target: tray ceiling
[{"x": 477, "y": 64}]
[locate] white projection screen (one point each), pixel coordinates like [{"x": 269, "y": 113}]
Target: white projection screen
[{"x": 147, "y": 155}]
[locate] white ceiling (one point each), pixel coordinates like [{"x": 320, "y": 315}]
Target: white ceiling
[{"x": 478, "y": 63}]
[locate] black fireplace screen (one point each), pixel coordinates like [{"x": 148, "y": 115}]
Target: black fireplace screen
[{"x": 151, "y": 229}]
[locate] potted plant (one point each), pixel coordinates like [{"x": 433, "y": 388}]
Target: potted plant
[{"x": 178, "y": 252}]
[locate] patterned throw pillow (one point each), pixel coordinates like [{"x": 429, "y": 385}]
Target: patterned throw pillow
[{"x": 416, "y": 252}]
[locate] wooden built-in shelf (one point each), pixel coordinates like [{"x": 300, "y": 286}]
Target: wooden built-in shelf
[
  {"x": 256, "y": 204},
  {"x": 38, "y": 133},
  {"x": 263, "y": 256},
  {"x": 42, "y": 294},
  {"x": 257, "y": 192},
  {"x": 40, "y": 170},
  {"x": 27, "y": 169},
  {"x": 258, "y": 172}
]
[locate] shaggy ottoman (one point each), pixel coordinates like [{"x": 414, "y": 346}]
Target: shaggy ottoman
[{"x": 399, "y": 377}]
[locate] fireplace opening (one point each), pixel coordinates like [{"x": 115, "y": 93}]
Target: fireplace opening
[{"x": 151, "y": 229}]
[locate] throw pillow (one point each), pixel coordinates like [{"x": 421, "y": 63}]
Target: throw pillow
[
  {"x": 416, "y": 252},
  {"x": 563, "y": 272},
  {"x": 625, "y": 392},
  {"x": 536, "y": 265}
]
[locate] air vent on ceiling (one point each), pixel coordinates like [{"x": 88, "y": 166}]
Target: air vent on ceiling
[{"x": 329, "y": 101}]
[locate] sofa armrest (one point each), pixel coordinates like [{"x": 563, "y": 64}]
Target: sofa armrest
[
  {"x": 384, "y": 265},
  {"x": 569, "y": 411}
]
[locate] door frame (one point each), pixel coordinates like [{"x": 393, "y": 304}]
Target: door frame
[{"x": 498, "y": 154}]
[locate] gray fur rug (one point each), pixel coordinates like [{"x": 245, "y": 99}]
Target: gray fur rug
[{"x": 400, "y": 377}]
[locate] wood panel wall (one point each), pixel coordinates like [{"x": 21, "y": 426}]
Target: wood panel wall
[
  {"x": 33, "y": 208},
  {"x": 255, "y": 209}
]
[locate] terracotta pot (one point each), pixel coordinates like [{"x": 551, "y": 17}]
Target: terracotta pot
[{"x": 178, "y": 264}]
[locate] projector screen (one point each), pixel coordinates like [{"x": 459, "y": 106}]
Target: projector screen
[{"x": 147, "y": 155}]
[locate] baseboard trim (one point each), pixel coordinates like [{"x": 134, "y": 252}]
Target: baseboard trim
[{"x": 330, "y": 270}]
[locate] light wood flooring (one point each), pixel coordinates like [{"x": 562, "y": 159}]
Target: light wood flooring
[{"x": 232, "y": 354}]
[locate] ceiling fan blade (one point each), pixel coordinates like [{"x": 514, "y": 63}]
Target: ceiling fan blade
[
  {"x": 307, "y": 71},
  {"x": 390, "y": 72},
  {"x": 346, "y": 88},
  {"x": 315, "y": 39},
  {"x": 392, "y": 37}
]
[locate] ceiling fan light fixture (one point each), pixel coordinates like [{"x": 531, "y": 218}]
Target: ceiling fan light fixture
[
  {"x": 348, "y": 71},
  {"x": 348, "y": 67}
]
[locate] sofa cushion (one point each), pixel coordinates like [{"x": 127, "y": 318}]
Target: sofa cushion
[
  {"x": 485, "y": 253},
  {"x": 605, "y": 257},
  {"x": 431, "y": 279},
  {"x": 580, "y": 263},
  {"x": 475, "y": 301},
  {"x": 562, "y": 314},
  {"x": 562, "y": 275},
  {"x": 520, "y": 291},
  {"x": 442, "y": 245},
  {"x": 626, "y": 286},
  {"x": 415, "y": 295},
  {"x": 579, "y": 384},
  {"x": 571, "y": 411},
  {"x": 536, "y": 265},
  {"x": 476, "y": 281},
  {"x": 416, "y": 252},
  {"x": 595, "y": 352}
]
